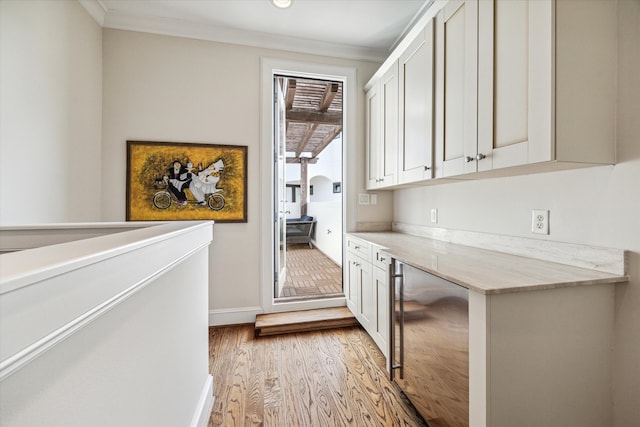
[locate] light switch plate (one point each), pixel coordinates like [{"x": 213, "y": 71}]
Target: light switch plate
[{"x": 363, "y": 199}]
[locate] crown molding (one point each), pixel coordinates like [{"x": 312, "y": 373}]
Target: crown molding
[
  {"x": 96, "y": 9},
  {"x": 194, "y": 30}
]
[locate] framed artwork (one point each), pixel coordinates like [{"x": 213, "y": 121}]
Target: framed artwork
[{"x": 186, "y": 181}]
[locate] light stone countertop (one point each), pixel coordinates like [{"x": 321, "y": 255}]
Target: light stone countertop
[{"x": 481, "y": 270}]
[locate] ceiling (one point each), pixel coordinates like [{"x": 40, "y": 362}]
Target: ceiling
[{"x": 355, "y": 29}]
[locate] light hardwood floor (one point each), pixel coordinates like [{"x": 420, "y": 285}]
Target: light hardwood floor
[{"x": 319, "y": 378}]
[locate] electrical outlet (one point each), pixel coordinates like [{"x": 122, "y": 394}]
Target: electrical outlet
[
  {"x": 540, "y": 221},
  {"x": 373, "y": 199},
  {"x": 434, "y": 216},
  {"x": 363, "y": 199}
]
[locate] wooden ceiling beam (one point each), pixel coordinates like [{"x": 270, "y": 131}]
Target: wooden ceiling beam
[
  {"x": 290, "y": 94},
  {"x": 294, "y": 160},
  {"x": 319, "y": 118},
  {"x": 326, "y": 141},
  {"x": 305, "y": 139},
  {"x": 330, "y": 92}
]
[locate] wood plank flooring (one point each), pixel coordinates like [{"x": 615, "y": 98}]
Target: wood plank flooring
[{"x": 320, "y": 378}]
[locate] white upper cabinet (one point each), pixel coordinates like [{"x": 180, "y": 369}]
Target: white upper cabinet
[
  {"x": 524, "y": 83},
  {"x": 497, "y": 88},
  {"x": 382, "y": 130},
  {"x": 373, "y": 140},
  {"x": 415, "y": 150},
  {"x": 456, "y": 88},
  {"x": 515, "y": 94}
]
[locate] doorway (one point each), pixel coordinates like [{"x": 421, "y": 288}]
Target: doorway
[
  {"x": 308, "y": 182},
  {"x": 270, "y": 67}
]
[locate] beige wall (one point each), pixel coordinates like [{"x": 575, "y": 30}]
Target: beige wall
[
  {"x": 176, "y": 89},
  {"x": 51, "y": 112},
  {"x": 595, "y": 206}
]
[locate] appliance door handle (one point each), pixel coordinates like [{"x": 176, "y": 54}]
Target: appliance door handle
[{"x": 397, "y": 273}]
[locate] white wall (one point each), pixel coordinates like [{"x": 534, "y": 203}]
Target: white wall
[
  {"x": 50, "y": 108},
  {"x": 175, "y": 89},
  {"x": 328, "y": 228},
  {"x": 596, "y": 206}
]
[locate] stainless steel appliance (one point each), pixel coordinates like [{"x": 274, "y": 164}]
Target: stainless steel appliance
[{"x": 429, "y": 345}]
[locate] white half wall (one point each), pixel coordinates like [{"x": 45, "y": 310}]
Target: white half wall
[{"x": 108, "y": 331}]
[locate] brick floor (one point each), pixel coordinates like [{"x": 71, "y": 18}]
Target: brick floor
[{"x": 310, "y": 274}]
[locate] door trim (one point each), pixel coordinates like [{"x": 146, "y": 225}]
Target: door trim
[{"x": 268, "y": 68}]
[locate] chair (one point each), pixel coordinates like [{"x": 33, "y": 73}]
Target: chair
[{"x": 300, "y": 230}]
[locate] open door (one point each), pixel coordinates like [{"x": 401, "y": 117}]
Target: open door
[{"x": 280, "y": 202}]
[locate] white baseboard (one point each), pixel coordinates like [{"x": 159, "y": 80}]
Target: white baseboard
[
  {"x": 233, "y": 316},
  {"x": 205, "y": 405}
]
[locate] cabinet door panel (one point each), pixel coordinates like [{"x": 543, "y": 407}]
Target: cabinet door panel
[
  {"x": 389, "y": 150},
  {"x": 381, "y": 322},
  {"x": 514, "y": 91},
  {"x": 456, "y": 88},
  {"x": 352, "y": 283},
  {"x": 366, "y": 305},
  {"x": 511, "y": 62},
  {"x": 416, "y": 109},
  {"x": 373, "y": 137}
]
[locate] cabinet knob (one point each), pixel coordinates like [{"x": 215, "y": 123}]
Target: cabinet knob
[
  {"x": 356, "y": 247},
  {"x": 427, "y": 168},
  {"x": 480, "y": 156},
  {"x": 383, "y": 259},
  {"x": 468, "y": 159}
]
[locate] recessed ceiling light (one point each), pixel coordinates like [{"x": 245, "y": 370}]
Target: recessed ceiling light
[{"x": 283, "y": 4}]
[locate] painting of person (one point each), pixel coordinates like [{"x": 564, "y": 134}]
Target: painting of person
[
  {"x": 206, "y": 181},
  {"x": 179, "y": 178}
]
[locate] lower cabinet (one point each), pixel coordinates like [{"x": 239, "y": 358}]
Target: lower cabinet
[
  {"x": 379, "y": 329},
  {"x": 366, "y": 289}
]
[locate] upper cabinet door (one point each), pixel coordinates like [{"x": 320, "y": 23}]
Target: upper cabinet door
[
  {"x": 456, "y": 88},
  {"x": 382, "y": 130},
  {"x": 389, "y": 141},
  {"x": 415, "y": 144},
  {"x": 514, "y": 83},
  {"x": 373, "y": 154}
]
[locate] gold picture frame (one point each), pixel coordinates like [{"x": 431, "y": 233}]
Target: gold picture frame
[{"x": 186, "y": 181}]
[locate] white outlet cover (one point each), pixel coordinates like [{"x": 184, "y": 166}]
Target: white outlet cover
[
  {"x": 373, "y": 199},
  {"x": 363, "y": 199},
  {"x": 540, "y": 221}
]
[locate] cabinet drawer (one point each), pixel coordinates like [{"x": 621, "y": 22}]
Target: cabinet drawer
[
  {"x": 359, "y": 247},
  {"x": 379, "y": 258}
]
